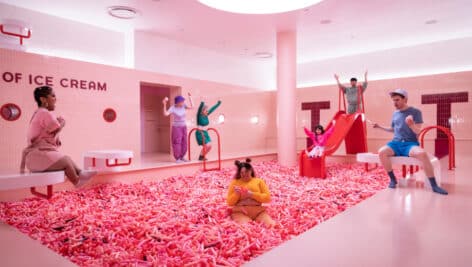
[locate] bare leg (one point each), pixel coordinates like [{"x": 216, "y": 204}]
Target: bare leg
[
  {"x": 418, "y": 153},
  {"x": 240, "y": 218},
  {"x": 67, "y": 165},
  {"x": 385, "y": 153},
  {"x": 265, "y": 218},
  {"x": 205, "y": 149}
]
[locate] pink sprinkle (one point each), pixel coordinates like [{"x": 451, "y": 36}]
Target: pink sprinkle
[{"x": 183, "y": 220}]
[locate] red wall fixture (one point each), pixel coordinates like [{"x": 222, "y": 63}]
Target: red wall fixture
[
  {"x": 109, "y": 115},
  {"x": 10, "y": 112}
]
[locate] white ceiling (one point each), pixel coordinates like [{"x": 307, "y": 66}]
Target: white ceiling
[{"x": 356, "y": 28}]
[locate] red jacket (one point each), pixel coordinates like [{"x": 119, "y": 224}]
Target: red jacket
[{"x": 321, "y": 139}]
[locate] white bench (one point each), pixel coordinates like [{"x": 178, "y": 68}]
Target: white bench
[
  {"x": 404, "y": 162},
  {"x": 107, "y": 160},
  {"x": 32, "y": 180}
]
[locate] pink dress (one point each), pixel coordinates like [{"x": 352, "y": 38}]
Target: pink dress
[{"x": 43, "y": 142}]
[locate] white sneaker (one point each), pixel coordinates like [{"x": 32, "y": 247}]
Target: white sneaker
[
  {"x": 179, "y": 161},
  {"x": 184, "y": 160},
  {"x": 84, "y": 177}
]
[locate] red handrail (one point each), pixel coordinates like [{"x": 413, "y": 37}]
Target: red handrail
[
  {"x": 203, "y": 140},
  {"x": 450, "y": 138},
  {"x": 16, "y": 34}
]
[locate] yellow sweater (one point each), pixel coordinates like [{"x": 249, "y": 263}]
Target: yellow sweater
[{"x": 259, "y": 189}]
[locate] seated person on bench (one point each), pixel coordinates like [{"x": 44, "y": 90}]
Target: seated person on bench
[
  {"x": 406, "y": 125},
  {"x": 42, "y": 153}
]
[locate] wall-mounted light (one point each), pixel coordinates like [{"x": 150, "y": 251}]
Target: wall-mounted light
[
  {"x": 254, "y": 119},
  {"x": 221, "y": 119},
  {"x": 263, "y": 55},
  {"x": 109, "y": 115},
  {"x": 10, "y": 112}
]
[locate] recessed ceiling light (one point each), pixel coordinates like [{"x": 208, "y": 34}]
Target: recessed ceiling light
[
  {"x": 431, "y": 21},
  {"x": 258, "y": 6},
  {"x": 263, "y": 55},
  {"x": 122, "y": 12},
  {"x": 325, "y": 21}
]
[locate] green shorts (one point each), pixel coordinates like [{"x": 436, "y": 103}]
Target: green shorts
[{"x": 200, "y": 137}]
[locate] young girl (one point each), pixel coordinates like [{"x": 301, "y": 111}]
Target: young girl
[
  {"x": 179, "y": 125},
  {"x": 319, "y": 138},
  {"x": 202, "y": 123},
  {"x": 42, "y": 153},
  {"x": 246, "y": 194}
]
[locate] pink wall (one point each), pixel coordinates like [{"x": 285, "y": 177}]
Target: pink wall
[
  {"x": 379, "y": 107},
  {"x": 86, "y": 129}
]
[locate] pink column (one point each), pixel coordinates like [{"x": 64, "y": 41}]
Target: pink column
[{"x": 286, "y": 86}]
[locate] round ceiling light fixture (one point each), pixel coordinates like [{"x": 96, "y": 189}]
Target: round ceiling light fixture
[
  {"x": 263, "y": 55},
  {"x": 122, "y": 12},
  {"x": 258, "y": 6},
  {"x": 325, "y": 21}
]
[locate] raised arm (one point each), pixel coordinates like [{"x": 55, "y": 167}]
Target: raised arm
[
  {"x": 264, "y": 195},
  {"x": 364, "y": 85},
  {"x": 214, "y": 107},
  {"x": 200, "y": 108},
  {"x": 190, "y": 101},
  {"x": 342, "y": 87},
  {"x": 309, "y": 133},
  {"x": 164, "y": 104},
  {"x": 330, "y": 131}
]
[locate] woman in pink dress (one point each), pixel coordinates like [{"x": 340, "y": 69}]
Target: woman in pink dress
[{"x": 42, "y": 154}]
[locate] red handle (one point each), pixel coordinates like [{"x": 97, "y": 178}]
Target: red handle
[
  {"x": 450, "y": 138},
  {"x": 2, "y": 30},
  {"x": 203, "y": 141}
]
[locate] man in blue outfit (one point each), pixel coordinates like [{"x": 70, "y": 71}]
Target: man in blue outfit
[{"x": 406, "y": 125}]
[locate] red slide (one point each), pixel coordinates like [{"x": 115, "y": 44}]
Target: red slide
[{"x": 348, "y": 127}]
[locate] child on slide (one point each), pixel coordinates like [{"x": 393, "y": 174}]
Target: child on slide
[{"x": 319, "y": 138}]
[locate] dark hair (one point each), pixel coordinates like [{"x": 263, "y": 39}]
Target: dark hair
[
  {"x": 42, "y": 91},
  {"x": 319, "y": 127},
  {"x": 244, "y": 164},
  {"x": 353, "y": 79},
  {"x": 396, "y": 94}
]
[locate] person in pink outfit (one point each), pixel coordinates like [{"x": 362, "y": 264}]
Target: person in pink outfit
[
  {"x": 319, "y": 138},
  {"x": 42, "y": 153}
]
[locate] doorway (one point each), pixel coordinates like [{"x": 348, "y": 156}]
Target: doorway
[{"x": 155, "y": 126}]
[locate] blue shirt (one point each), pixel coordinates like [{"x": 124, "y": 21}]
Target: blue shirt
[{"x": 401, "y": 131}]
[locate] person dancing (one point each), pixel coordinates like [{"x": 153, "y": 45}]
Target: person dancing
[{"x": 203, "y": 138}]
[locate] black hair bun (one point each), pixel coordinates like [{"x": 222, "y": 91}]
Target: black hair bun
[
  {"x": 248, "y": 160},
  {"x": 237, "y": 163}
]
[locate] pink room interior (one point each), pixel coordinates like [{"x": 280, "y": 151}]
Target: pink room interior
[{"x": 273, "y": 73}]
